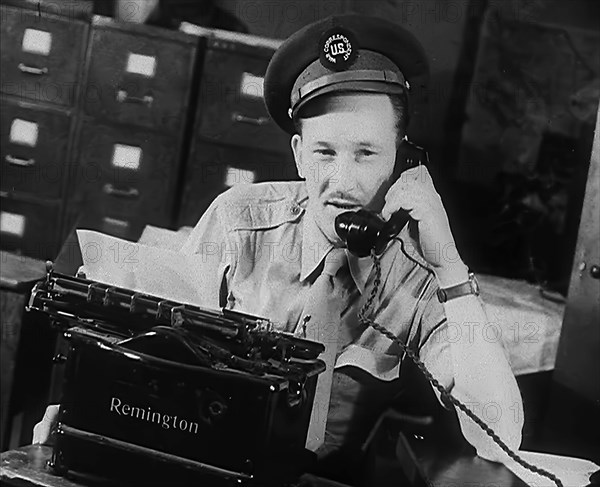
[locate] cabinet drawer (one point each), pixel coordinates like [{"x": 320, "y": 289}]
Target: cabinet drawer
[
  {"x": 213, "y": 169},
  {"x": 231, "y": 107},
  {"x": 71, "y": 9},
  {"x": 41, "y": 56},
  {"x": 29, "y": 228},
  {"x": 139, "y": 79},
  {"x": 127, "y": 173},
  {"x": 34, "y": 148}
]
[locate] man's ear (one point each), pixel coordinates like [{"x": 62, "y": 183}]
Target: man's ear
[{"x": 296, "y": 143}]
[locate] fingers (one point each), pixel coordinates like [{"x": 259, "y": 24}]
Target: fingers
[
  {"x": 413, "y": 192},
  {"x": 416, "y": 178},
  {"x": 397, "y": 200},
  {"x": 419, "y": 174},
  {"x": 41, "y": 431}
]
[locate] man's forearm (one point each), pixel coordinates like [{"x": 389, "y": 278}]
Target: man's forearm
[{"x": 483, "y": 379}]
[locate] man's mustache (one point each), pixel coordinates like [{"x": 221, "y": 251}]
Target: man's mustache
[{"x": 342, "y": 198}]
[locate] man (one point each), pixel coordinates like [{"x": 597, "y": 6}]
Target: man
[{"x": 340, "y": 87}]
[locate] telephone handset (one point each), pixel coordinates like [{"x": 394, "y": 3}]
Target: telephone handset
[{"x": 363, "y": 230}]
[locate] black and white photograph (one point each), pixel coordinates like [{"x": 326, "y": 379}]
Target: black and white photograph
[{"x": 300, "y": 243}]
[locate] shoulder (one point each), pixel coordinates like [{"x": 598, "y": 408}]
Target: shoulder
[{"x": 261, "y": 205}]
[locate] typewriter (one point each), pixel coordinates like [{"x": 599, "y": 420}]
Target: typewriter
[{"x": 161, "y": 393}]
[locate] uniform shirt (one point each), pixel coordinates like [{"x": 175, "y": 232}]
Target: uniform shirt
[{"x": 261, "y": 251}]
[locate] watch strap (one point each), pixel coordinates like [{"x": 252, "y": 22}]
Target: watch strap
[{"x": 463, "y": 289}]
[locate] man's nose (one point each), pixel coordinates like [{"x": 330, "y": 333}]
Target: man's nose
[{"x": 342, "y": 174}]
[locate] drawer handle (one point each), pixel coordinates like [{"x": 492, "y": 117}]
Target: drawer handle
[
  {"x": 115, "y": 222},
  {"x": 123, "y": 97},
  {"x": 17, "y": 161},
  {"x": 122, "y": 193},
  {"x": 238, "y": 117},
  {"x": 32, "y": 70}
]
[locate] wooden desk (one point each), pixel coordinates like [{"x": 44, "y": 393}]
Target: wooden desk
[{"x": 27, "y": 466}]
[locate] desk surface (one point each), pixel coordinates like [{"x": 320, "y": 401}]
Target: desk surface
[
  {"x": 18, "y": 272},
  {"x": 27, "y": 466}
]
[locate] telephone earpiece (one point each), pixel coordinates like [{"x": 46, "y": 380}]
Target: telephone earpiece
[{"x": 363, "y": 230}]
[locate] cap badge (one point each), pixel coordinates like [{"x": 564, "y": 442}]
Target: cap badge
[{"x": 338, "y": 49}]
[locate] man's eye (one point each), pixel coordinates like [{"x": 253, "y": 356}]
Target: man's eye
[
  {"x": 324, "y": 152},
  {"x": 366, "y": 152}
]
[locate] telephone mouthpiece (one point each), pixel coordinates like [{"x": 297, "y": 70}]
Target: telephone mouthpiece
[{"x": 359, "y": 231}]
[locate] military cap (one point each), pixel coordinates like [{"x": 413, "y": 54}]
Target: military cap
[{"x": 341, "y": 53}]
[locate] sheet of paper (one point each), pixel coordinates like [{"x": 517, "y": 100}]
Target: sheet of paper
[
  {"x": 573, "y": 472},
  {"x": 143, "y": 268},
  {"x": 164, "y": 238}
]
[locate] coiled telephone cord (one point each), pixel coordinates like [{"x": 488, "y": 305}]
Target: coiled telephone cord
[{"x": 444, "y": 393}]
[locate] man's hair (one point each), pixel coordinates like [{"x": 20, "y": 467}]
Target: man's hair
[{"x": 399, "y": 105}]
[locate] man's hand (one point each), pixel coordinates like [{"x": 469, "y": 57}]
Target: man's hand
[
  {"x": 42, "y": 430},
  {"x": 414, "y": 192}
]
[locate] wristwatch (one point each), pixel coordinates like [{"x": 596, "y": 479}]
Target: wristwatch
[{"x": 469, "y": 287}]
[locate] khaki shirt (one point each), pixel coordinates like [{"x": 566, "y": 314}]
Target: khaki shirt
[{"x": 261, "y": 251}]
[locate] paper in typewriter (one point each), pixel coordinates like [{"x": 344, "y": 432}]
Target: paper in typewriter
[{"x": 142, "y": 268}]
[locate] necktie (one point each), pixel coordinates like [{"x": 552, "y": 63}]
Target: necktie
[{"x": 324, "y": 307}]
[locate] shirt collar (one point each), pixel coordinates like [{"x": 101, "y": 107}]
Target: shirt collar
[{"x": 315, "y": 245}]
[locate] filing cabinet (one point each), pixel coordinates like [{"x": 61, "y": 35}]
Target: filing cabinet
[
  {"x": 135, "y": 111},
  {"x": 234, "y": 141},
  {"x": 41, "y": 56},
  {"x": 114, "y": 126}
]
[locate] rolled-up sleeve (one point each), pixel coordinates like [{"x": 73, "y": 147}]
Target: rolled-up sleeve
[{"x": 434, "y": 346}]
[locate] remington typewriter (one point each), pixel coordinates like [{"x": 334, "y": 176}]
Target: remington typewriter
[{"x": 160, "y": 393}]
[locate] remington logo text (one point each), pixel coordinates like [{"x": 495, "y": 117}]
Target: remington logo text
[{"x": 146, "y": 414}]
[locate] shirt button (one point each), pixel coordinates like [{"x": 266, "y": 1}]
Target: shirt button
[{"x": 295, "y": 210}]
